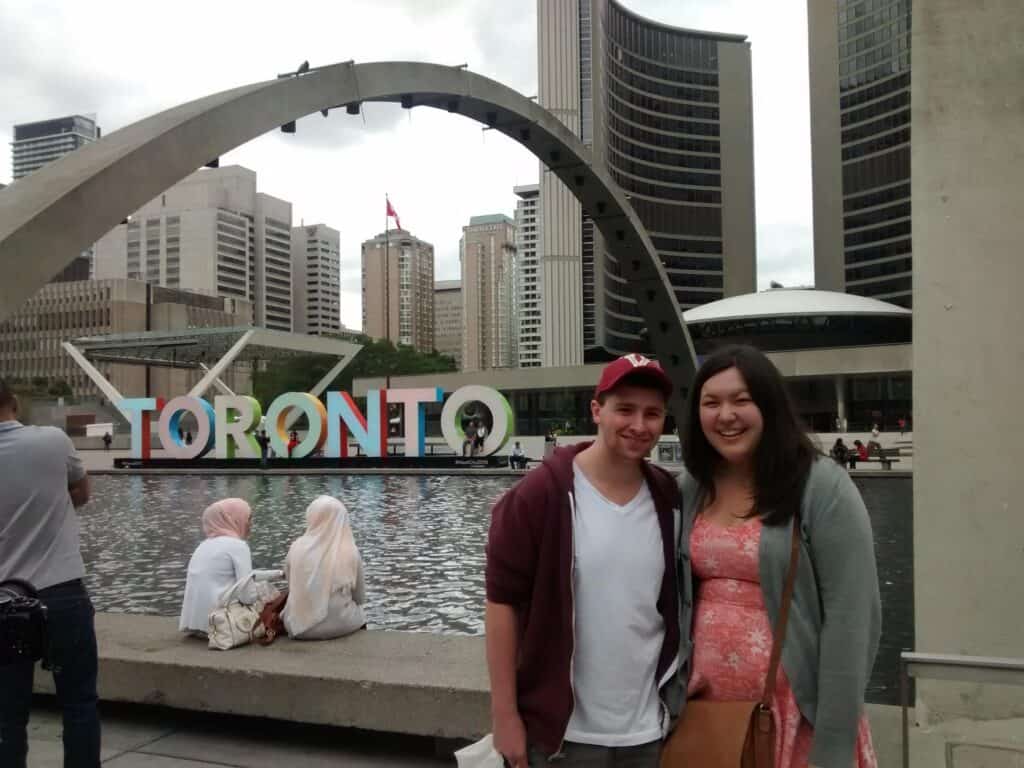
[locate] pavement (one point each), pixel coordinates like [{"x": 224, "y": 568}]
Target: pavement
[{"x": 134, "y": 737}]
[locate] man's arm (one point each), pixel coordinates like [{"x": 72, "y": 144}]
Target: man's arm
[
  {"x": 509, "y": 574},
  {"x": 78, "y": 481},
  {"x": 80, "y": 491},
  {"x": 509, "y": 734}
]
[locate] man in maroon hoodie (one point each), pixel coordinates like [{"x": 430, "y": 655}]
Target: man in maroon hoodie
[{"x": 582, "y": 612}]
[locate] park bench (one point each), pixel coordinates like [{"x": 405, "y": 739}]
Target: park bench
[{"x": 886, "y": 458}]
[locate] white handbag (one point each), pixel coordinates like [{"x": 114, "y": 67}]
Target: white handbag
[{"x": 233, "y": 623}]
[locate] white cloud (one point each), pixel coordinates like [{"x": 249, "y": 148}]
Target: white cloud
[{"x": 125, "y": 60}]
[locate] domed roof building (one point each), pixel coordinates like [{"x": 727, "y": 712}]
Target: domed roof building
[
  {"x": 797, "y": 318},
  {"x": 845, "y": 358}
]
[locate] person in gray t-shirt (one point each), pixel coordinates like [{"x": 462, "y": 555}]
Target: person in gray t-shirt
[{"x": 41, "y": 484}]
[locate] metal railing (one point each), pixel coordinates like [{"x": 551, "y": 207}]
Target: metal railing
[{"x": 968, "y": 669}]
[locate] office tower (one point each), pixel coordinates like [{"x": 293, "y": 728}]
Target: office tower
[
  {"x": 667, "y": 112},
  {"x": 528, "y": 285},
  {"x": 487, "y": 253},
  {"x": 211, "y": 233},
  {"x": 316, "y": 279},
  {"x": 448, "y": 319},
  {"x": 39, "y": 143},
  {"x": 398, "y": 289},
  {"x": 859, "y": 54},
  {"x": 30, "y": 340}
]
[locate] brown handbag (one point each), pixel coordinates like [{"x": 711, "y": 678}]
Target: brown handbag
[
  {"x": 735, "y": 734},
  {"x": 271, "y": 618}
]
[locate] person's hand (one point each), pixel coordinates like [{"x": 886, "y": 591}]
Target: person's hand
[{"x": 510, "y": 739}]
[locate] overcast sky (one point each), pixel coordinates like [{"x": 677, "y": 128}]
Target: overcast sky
[{"x": 126, "y": 60}]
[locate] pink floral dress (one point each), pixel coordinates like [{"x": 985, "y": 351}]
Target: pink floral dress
[{"x": 733, "y": 638}]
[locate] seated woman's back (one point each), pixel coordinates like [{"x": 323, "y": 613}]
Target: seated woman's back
[
  {"x": 325, "y": 576},
  {"x": 218, "y": 562}
]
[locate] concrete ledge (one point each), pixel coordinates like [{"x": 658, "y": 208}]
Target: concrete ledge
[
  {"x": 386, "y": 471},
  {"x": 400, "y": 682}
]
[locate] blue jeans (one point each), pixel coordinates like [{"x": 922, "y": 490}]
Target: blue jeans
[{"x": 72, "y": 659}]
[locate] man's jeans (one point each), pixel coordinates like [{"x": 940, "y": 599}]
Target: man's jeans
[
  {"x": 72, "y": 658},
  {"x": 575, "y": 755}
]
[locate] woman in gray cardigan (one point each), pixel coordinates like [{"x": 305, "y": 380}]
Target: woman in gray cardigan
[{"x": 750, "y": 468}]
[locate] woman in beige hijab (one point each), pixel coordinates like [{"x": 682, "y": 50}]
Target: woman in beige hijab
[
  {"x": 325, "y": 576},
  {"x": 220, "y": 561}
]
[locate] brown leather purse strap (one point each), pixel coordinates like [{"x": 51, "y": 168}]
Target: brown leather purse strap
[{"x": 780, "y": 627}]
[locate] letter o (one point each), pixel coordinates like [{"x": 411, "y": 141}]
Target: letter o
[
  {"x": 170, "y": 420},
  {"x": 501, "y": 417},
  {"x": 316, "y": 416}
]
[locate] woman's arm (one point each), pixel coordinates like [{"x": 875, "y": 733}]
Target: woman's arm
[
  {"x": 241, "y": 561},
  {"x": 843, "y": 553},
  {"x": 268, "y": 575}
]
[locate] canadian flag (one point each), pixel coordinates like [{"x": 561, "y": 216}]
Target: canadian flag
[{"x": 392, "y": 212}]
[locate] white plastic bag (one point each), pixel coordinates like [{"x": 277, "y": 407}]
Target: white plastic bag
[{"x": 480, "y": 754}]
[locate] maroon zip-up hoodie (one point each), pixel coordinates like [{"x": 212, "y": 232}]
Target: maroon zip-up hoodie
[{"x": 529, "y": 566}]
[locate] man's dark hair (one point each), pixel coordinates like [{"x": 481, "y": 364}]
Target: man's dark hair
[
  {"x": 7, "y": 398},
  {"x": 785, "y": 454}
]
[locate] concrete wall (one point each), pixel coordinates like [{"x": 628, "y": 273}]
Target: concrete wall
[
  {"x": 968, "y": 161},
  {"x": 111, "y": 254},
  {"x": 739, "y": 243},
  {"x": 560, "y": 242},
  {"x": 826, "y": 155}
]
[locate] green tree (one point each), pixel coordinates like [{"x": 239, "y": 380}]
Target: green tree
[
  {"x": 59, "y": 388},
  {"x": 378, "y": 357}
]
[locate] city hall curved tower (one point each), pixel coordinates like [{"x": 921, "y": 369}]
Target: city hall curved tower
[{"x": 668, "y": 112}]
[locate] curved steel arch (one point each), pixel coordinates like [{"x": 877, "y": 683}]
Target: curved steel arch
[{"x": 53, "y": 214}]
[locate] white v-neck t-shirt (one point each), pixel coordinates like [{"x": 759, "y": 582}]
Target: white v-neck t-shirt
[{"x": 618, "y": 569}]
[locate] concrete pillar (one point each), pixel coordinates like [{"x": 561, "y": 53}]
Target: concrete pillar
[
  {"x": 968, "y": 162},
  {"x": 840, "y": 382}
]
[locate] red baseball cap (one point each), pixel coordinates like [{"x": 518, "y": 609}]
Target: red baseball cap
[{"x": 630, "y": 366}]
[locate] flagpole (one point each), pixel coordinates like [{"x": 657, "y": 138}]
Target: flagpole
[{"x": 387, "y": 296}]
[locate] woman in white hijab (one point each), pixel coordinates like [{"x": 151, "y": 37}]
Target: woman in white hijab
[{"x": 325, "y": 576}]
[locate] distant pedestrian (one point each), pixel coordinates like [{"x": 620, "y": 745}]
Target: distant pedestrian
[
  {"x": 188, "y": 437},
  {"x": 264, "y": 443},
  {"x": 517, "y": 459},
  {"x": 859, "y": 453},
  {"x": 902, "y": 424},
  {"x": 839, "y": 452},
  {"x": 293, "y": 442},
  {"x": 874, "y": 431},
  {"x": 481, "y": 435},
  {"x": 469, "y": 441},
  {"x": 107, "y": 440}
]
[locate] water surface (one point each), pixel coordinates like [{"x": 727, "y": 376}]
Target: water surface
[{"x": 422, "y": 540}]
